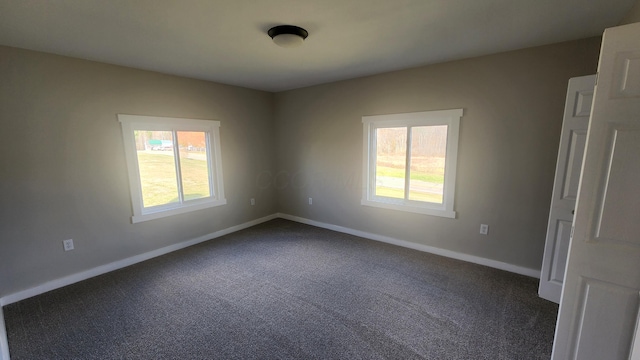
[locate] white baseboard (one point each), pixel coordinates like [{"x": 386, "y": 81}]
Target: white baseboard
[
  {"x": 68, "y": 280},
  {"x": 71, "y": 279},
  {"x": 426, "y": 248}
]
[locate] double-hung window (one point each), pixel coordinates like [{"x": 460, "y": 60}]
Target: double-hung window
[
  {"x": 174, "y": 165},
  {"x": 409, "y": 161}
]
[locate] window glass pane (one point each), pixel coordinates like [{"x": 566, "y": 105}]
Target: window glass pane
[
  {"x": 428, "y": 152},
  {"x": 157, "y": 167},
  {"x": 391, "y": 161},
  {"x": 194, "y": 165}
]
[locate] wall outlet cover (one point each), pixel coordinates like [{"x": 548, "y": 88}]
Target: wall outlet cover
[{"x": 68, "y": 244}]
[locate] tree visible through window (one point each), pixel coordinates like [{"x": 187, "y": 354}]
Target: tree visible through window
[
  {"x": 426, "y": 159},
  {"x": 410, "y": 161}
]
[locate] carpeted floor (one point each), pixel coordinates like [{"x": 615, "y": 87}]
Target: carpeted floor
[{"x": 283, "y": 290}]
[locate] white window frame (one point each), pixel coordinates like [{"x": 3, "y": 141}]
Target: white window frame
[
  {"x": 450, "y": 118},
  {"x": 130, "y": 123}
]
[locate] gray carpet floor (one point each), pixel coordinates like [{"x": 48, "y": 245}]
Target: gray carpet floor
[{"x": 283, "y": 290}]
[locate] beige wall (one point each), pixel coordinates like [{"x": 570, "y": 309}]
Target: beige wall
[
  {"x": 513, "y": 104},
  {"x": 63, "y": 172},
  {"x": 633, "y": 15},
  {"x": 62, "y": 164}
]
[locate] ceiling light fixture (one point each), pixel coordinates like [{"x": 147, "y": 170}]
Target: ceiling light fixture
[{"x": 288, "y": 35}]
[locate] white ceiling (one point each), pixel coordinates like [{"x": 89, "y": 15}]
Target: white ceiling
[{"x": 226, "y": 41}]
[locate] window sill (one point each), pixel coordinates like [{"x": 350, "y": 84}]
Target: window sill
[
  {"x": 414, "y": 209},
  {"x": 180, "y": 210}
]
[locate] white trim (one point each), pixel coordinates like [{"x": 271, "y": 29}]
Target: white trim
[
  {"x": 161, "y": 122},
  {"x": 130, "y": 123},
  {"x": 412, "y": 118},
  {"x": 409, "y": 208},
  {"x": 71, "y": 279},
  {"x": 420, "y": 247},
  {"x": 178, "y": 210},
  {"x": 4, "y": 344}
]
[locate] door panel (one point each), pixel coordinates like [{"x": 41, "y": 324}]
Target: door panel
[
  {"x": 584, "y": 98},
  {"x": 565, "y": 187},
  {"x": 619, "y": 217},
  {"x": 627, "y": 72},
  {"x": 577, "y": 140},
  {"x": 599, "y": 309},
  {"x": 606, "y": 327},
  {"x": 560, "y": 252}
]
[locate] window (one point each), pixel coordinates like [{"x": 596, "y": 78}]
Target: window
[
  {"x": 174, "y": 165},
  {"x": 409, "y": 161}
]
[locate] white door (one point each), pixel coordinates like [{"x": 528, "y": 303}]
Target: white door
[
  {"x": 565, "y": 187},
  {"x": 600, "y": 303}
]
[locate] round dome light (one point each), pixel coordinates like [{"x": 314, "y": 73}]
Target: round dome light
[{"x": 288, "y": 35}]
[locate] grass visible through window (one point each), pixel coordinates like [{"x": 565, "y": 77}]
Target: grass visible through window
[
  {"x": 427, "y": 178},
  {"x": 415, "y": 175},
  {"x": 158, "y": 178}
]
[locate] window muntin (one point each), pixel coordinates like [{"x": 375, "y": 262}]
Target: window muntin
[
  {"x": 410, "y": 161},
  {"x": 195, "y": 162},
  {"x": 174, "y": 165}
]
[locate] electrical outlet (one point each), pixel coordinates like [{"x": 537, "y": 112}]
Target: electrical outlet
[
  {"x": 484, "y": 229},
  {"x": 253, "y": 201},
  {"x": 68, "y": 244},
  {"x": 310, "y": 201}
]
